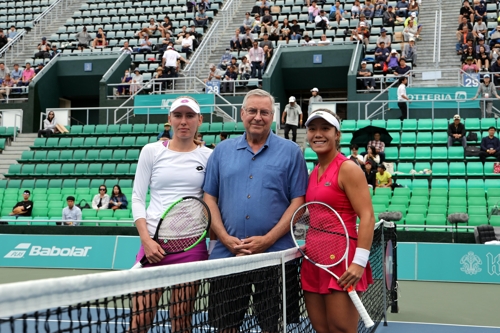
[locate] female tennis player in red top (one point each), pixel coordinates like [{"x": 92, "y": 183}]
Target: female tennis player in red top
[{"x": 340, "y": 183}]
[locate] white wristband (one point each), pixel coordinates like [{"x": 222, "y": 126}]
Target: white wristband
[
  {"x": 211, "y": 246},
  {"x": 361, "y": 257}
]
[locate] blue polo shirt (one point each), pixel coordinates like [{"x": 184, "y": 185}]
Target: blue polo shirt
[{"x": 254, "y": 190}]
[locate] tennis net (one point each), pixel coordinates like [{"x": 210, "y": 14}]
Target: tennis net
[{"x": 259, "y": 293}]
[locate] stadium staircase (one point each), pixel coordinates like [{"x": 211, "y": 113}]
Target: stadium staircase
[
  {"x": 13, "y": 151},
  {"x": 450, "y": 62},
  {"x": 31, "y": 40},
  {"x": 301, "y": 136}
]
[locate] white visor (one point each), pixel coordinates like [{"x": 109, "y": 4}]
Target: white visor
[
  {"x": 326, "y": 116},
  {"x": 183, "y": 101}
]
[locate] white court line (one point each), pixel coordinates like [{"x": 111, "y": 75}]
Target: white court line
[{"x": 440, "y": 324}]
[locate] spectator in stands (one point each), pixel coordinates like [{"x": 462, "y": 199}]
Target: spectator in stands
[
  {"x": 101, "y": 200},
  {"x": 214, "y": 74},
  {"x": 244, "y": 69},
  {"x": 313, "y": 11},
  {"x": 204, "y": 4},
  {"x": 480, "y": 42},
  {"x": 490, "y": 146},
  {"x": 71, "y": 214},
  {"x": 361, "y": 34},
  {"x": 355, "y": 157},
  {"x": 469, "y": 53},
  {"x": 384, "y": 178},
  {"x": 402, "y": 69},
  {"x": 266, "y": 23},
  {"x": 166, "y": 133},
  {"x": 247, "y": 23},
  {"x": 402, "y": 97},
  {"x": 293, "y": 115},
  {"x": 296, "y": 32},
  {"x": 384, "y": 38},
  {"x": 199, "y": 138},
  {"x": 43, "y": 49},
  {"x": 236, "y": 41},
  {"x": 6, "y": 86},
  {"x": 370, "y": 174},
  {"x": 166, "y": 27},
  {"x": 100, "y": 39},
  {"x": 39, "y": 68},
  {"x": 367, "y": 76},
  {"x": 469, "y": 66},
  {"x": 227, "y": 85},
  {"x": 28, "y": 75},
  {"x": 381, "y": 54},
  {"x": 379, "y": 146},
  {"x": 486, "y": 90},
  {"x": 465, "y": 36},
  {"x": 256, "y": 24},
  {"x": 460, "y": 29},
  {"x": 368, "y": 10},
  {"x": 274, "y": 34},
  {"x": 389, "y": 17},
  {"x": 480, "y": 11},
  {"x": 410, "y": 52},
  {"x": 153, "y": 27},
  {"x": 285, "y": 30},
  {"x": 83, "y": 38},
  {"x": 126, "y": 48},
  {"x": 12, "y": 33},
  {"x": 355, "y": 9},
  {"x": 195, "y": 35},
  {"x": 49, "y": 126},
  {"x": 53, "y": 51},
  {"x": 201, "y": 18},
  {"x": 337, "y": 12},
  {"x": 256, "y": 54},
  {"x": 315, "y": 98},
  {"x": 16, "y": 75},
  {"x": 413, "y": 7},
  {"x": 3, "y": 71},
  {"x": 393, "y": 60},
  {"x": 495, "y": 37},
  {"x": 191, "y": 6},
  {"x": 118, "y": 200},
  {"x": 187, "y": 44},
  {"x": 480, "y": 29},
  {"x": 264, "y": 6},
  {"x": 456, "y": 132},
  {"x": 23, "y": 208},
  {"x": 160, "y": 76},
  {"x": 3, "y": 39},
  {"x": 136, "y": 82},
  {"x": 225, "y": 59},
  {"x": 411, "y": 31},
  {"x": 372, "y": 155},
  {"x": 483, "y": 59},
  {"x": 323, "y": 41},
  {"x": 466, "y": 11},
  {"x": 247, "y": 40},
  {"x": 265, "y": 41},
  {"x": 495, "y": 69},
  {"x": 402, "y": 8},
  {"x": 123, "y": 89},
  {"x": 308, "y": 42},
  {"x": 145, "y": 45},
  {"x": 322, "y": 21},
  {"x": 268, "y": 54},
  {"x": 380, "y": 7}
]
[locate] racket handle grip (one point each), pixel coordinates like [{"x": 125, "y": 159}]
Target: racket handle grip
[
  {"x": 137, "y": 265},
  {"x": 360, "y": 307},
  {"x": 140, "y": 263}
]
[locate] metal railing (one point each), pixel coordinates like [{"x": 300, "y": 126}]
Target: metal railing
[
  {"x": 46, "y": 18},
  {"x": 13, "y": 47},
  {"x": 18, "y": 119},
  {"x": 113, "y": 67}
]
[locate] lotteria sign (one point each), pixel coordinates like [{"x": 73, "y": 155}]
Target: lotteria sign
[{"x": 437, "y": 97}]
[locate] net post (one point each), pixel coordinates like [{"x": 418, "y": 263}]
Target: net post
[
  {"x": 384, "y": 282},
  {"x": 394, "y": 282},
  {"x": 283, "y": 278}
]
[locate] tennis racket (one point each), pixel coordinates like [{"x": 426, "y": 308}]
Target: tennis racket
[
  {"x": 326, "y": 243},
  {"x": 182, "y": 226}
]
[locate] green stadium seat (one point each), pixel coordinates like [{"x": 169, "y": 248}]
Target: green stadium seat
[
  {"x": 81, "y": 169},
  {"x": 133, "y": 167},
  {"x": 393, "y": 125},
  {"x": 100, "y": 130},
  {"x": 229, "y": 127},
  {"x": 436, "y": 220},
  {"x": 132, "y": 155},
  {"x": 124, "y": 183},
  {"x": 379, "y": 123},
  {"x": 440, "y": 124},
  {"x": 95, "y": 183},
  {"x": 115, "y": 142},
  {"x": 492, "y": 192},
  {"x": 215, "y": 128},
  {"x": 105, "y": 155},
  {"x": 439, "y": 183},
  {"x": 204, "y": 128},
  {"x": 415, "y": 219},
  {"x": 39, "y": 143},
  {"x": 94, "y": 169},
  {"x": 55, "y": 183},
  {"x": 420, "y": 191},
  {"x": 26, "y": 156},
  {"x": 87, "y": 213},
  {"x": 420, "y": 166},
  {"x": 476, "y": 193},
  {"x": 458, "y": 193},
  {"x": 65, "y": 143},
  {"x": 488, "y": 184},
  {"x": 362, "y": 123},
  {"x": 125, "y": 128},
  {"x": 418, "y": 209},
  {"x": 379, "y": 208},
  {"x": 457, "y": 209},
  {"x": 14, "y": 170},
  {"x": 65, "y": 156},
  {"x": 425, "y": 125},
  {"x": 29, "y": 183},
  {"x": 400, "y": 200},
  {"x": 477, "y": 220},
  {"x": 348, "y": 126},
  {"x": 108, "y": 169},
  {"x": 88, "y": 130},
  {"x": 391, "y": 153},
  {"x": 92, "y": 155},
  {"x": 77, "y": 142},
  {"x": 113, "y": 129},
  {"x": 396, "y": 138},
  {"x": 105, "y": 214},
  {"x": 472, "y": 124},
  {"x": 419, "y": 201},
  {"x": 141, "y": 141},
  {"x": 79, "y": 155},
  {"x": 310, "y": 155},
  {"x": 76, "y": 130},
  {"x": 29, "y": 169},
  {"x": 458, "y": 201},
  {"x": 422, "y": 153},
  {"x": 52, "y": 142},
  {"x": 240, "y": 127},
  {"x": 53, "y": 155},
  {"x": 54, "y": 169},
  {"x": 406, "y": 183},
  {"x": 68, "y": 169},
  {"x": 488, "y": 169},
  {"x": 475, "y": 183},
  {"x": 439, "y": 153},
  {"x": 476, "y": 201},
  {"x": 457, "y": 169},
  {"x": 103, "y": 142},
  {"x": 402, "y": 191},
  {"x": 457, "y": 184},
  {"x": 408, "y": 138},
  {"x": 122, "y": 214},
  {"x": 122, "y": 169},
  {"x": 439, "y": 138},
  {"x": 406, "y": 153},
  {"x": 475, "y": 169},
  {"x": 138, "y": 129},
  {"x": 420, "y": 183},
  {"x": 153, "y": 129},
  {"x": 384, "y": 192},
  {"x": 409, "y": 125},
  {"x": 119, "y": 155},
  {"x": 128, "y": 142},
  {"x": 404, "y": 167},
  {"x": 398, "y": 208},
  {"x": 14, "y": 184},
  {"x": 42, "y": 183},
  {"x": 90, "y": 143},
  {"x": 424, "y": 138},
  {"x": 487, "y": 123},
  {"x": 440, "y": 169},
  {"x": 456, "y": 153},
  {"x": 40, "y": 156}
]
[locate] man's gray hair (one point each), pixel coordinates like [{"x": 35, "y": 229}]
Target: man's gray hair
[{"x": 259, "y": 93}]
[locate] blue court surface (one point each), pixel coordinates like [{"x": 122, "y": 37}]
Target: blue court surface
[{"x": 399, "y": 327}]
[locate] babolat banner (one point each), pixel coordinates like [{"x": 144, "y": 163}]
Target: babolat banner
[
  {"x": 437, "y": 97},
  {"x": 160, "y": 104},
  {"x": 57, "y": 251}
]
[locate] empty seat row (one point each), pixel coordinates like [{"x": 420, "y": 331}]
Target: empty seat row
[
  {"x": 452, "y": 184},
  {"x": 63, "y": 156},
  {"x": 445, "y": 169},
  {"x": 92, "y": 142},
  {"x": 418, "y": 125},
  {"x": 489, "y": 190},
  {"x": 61, "y": 184},
  {"x": 72, "y": 169}
]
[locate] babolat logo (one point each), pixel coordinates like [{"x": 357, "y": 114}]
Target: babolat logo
[{"x": 21, "y": 249}]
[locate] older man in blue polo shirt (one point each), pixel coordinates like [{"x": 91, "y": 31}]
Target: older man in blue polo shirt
[{"x": 253, "y": 184}]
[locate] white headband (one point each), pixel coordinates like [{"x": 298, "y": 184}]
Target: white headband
[
  {"x": 185, "y": 102},
  {"x": 326, "y": 116}
]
